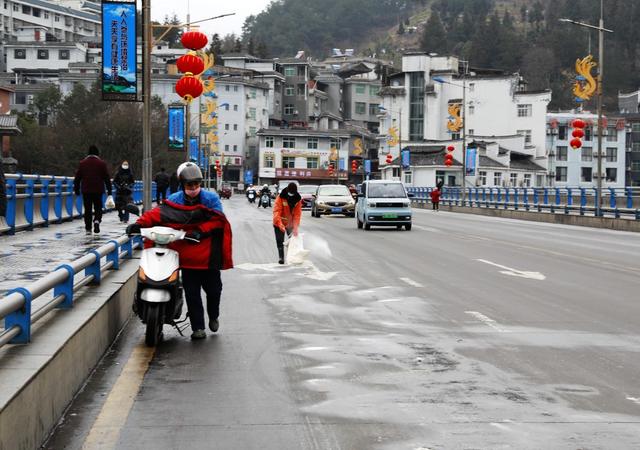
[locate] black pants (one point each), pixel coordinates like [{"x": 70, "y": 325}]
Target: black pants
[
  {"x": 162, "y": 194},
  {"x": 436, "y": 205},
  {"x": 280, "y": 239},
  {"x": 92, "y": 209},
  {"x": 193, "y": 281}
]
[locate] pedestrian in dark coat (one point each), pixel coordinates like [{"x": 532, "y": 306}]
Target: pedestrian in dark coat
[
  {"x": 91, "y": 179},
  {"x": 3, "y": 194},
  {"x": 162, "y": 183},
  {"x": 174, "y": 184},
  {"x": 123, "y": 182}
]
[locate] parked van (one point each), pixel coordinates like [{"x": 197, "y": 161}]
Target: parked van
[{"x": 383, "y": 203}]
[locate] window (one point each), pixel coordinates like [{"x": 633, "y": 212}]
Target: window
[
  {"x": 408, "y": 177},
  {"x": 497, "y": 178},
  {"x": 416, "y": 106},
  {"x": 63, "y": 54},
  {"x": 455, "y": 136},
  {"x": 226, "y": 107},
  {"x": 527, "y": 180},
  {"x": 586, "y": 174},
  {"x": 288, "y": 162},
  {"x": 588, "y": 132},
  {"x": 472, "y": 87},
  {"x": 26, "y": 9},
  {"x": 360, "y": 88},
  {"x": 43, "y": 54},
  {"x": 235, "y": 89},
  {"x": 226, "y": 126},
  {"x": 56, "y": 18},
  {"x": 562, "y": 153},
  {"x": 483, "y": 178},
  {"x": 6, "y": 5},
  {"x": 562, "y": 132},
  {"x": 235, "y": 148},
  {"x": 252, "y": 131},
  {"x": 336, "y": 143},
  {"x": 635, "y": 147},
  {"x": 235, "y": 107},
  {"x": 253, "y": 92},
  {"x": 288, "y": 110},
  {"x": 20, "y": 53},
  {"x": 524, "y": 110},
  {"x": 288, "y": 142},
  {"x": 611, "y": 174},
  {"x": 514, "y": 179},
  {"x": 226, "y": 148},
  {"x": 227, "y": 87},
  {"x": 374, "y": 90},
  {"x": 561, "y": 174},
  {"x": 312, "y": 162},
  {"x": 268, "y": 141},
  {"x": 470, "y": 132},
  {"x": 587, "y": 154},
  {"x": 361, "y": 108},
  {"x": 302, "y": 71},
  {"x": 373, "y": 109},
  {"x": 635, "y": 166},
  {"x": 635, "y": 127},
  {"x": 289, "y": 71},
  {"x": 612, "y": 134},
  {"x": 312, "y": 143},
  {"x": 612, "y": 154},
  {"x": 269, "y": 160},
  {"x": 21, "y": 98},
  {"x": 526, "y": 134},
  {"x": 301, "y": 90},
  {"x": 289, "y": 90},
  {"x": 235, "y": 127},
  {"x": 472, "y": 110},
  {"x": 252, "y": 113},
  {"x": 16, "y": 7}
]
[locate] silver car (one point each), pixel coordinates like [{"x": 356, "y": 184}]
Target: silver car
[{"x": 333, "y": 199}]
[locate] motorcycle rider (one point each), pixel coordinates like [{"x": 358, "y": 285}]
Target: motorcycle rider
[
  {"x": 206, "y": 249},
  {"x": 251, "y": 190},
  {"x": 123, "y": 181},
  {"x": 264, "y": 190}
]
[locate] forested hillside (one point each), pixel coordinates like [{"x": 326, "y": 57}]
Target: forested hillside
[{"x": 514, "y": 35}]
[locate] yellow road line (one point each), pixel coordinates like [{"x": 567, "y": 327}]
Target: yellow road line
[{"x": 105, "y": 432}]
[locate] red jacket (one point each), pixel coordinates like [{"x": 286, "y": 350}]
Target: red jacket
[
  {"x": 435, "y": 195},
  {"x": 214, "y": 250},
  {"x": 92, "y": 176}
]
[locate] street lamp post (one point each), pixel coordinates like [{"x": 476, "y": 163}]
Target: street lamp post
[
  {"x": 601, "y": 30},
  {"x": 399, "y": 112}
]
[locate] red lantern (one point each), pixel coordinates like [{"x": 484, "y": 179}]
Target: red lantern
[
  {"x": 448, "y": 159},
  {"x": 389, "y": 158},
  {"x": 450, "y": 148},
  {"x": 575, "y": 143},
  {"x": 578, "y": 123},
  {"x": 195, "y": 40},
  {"x": 189, "y": 88},
  {"x": 578, "y": 133},
  {"x": 190, "y": 64}
]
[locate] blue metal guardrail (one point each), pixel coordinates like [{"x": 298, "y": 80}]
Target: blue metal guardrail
[
  {"x": 39, "y": 200},
  {"x": 15, "y": 306},
  {"x": 617, "y": 202}
]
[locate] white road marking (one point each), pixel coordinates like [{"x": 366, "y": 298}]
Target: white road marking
[
  {"x": 423, "y": 228},
  {"x": 486, "y": 320},
  {"x": 515, "y": 272},
  {"x": 390, "y": 300},
  {"x": 634, "y": 399},
  {"x": 411, "y": 282}
]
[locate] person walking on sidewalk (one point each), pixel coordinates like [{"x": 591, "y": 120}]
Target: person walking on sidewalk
[
  {"x": 435, "y": 199},
  {"x": 162, "y": 183},
  {"x": 91, "y": 179},
  {"x": 287, "y": 211},
  {"x": 123, "y": 182}
]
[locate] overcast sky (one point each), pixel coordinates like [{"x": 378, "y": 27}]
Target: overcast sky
[{"x": 203, "y": 9}]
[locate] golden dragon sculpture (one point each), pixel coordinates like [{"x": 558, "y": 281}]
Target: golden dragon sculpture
[
  {"x": 585, "y": 85},
  {"x": 455, "y": 121}
]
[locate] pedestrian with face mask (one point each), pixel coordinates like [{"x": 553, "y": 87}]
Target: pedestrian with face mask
[
  {"x": 123, "y": 182},
  {"x": 287, "y": 211}
]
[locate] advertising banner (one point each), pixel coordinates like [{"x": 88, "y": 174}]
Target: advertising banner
[
  {"x": 193, "y": 149},
  {"x": 406, "y": 158},
  {"x": 471, "y": 161},
  {"x": 367, "y": 166},
  {"x": 119, "y": 78},
  {"x": 176, "y": 127},
  {"x": 248, "y": 176}
]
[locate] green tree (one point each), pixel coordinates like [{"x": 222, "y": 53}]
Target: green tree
[{"x": 434, "y": 36}]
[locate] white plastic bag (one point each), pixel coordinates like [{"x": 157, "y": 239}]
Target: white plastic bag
[
  {"x": 109, "y": 203},
  {"x": 296, "y": 253}
]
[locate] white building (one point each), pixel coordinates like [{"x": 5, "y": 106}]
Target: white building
[
  {"x": 579, "y": 168},
  {"x": 505, "y": 122}
]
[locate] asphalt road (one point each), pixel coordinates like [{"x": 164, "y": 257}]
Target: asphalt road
[{"x": 467, "y": 332}]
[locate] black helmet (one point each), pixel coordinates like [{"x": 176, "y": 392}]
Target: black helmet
[{"x": 189, "y": 172}]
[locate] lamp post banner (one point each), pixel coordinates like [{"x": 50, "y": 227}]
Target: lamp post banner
[
  {"x": 471, "y": 161},
  {"x": 367, "y": 166},
  {"x": 119, "y": 78},
  {"x": 176, "y": 128},
  {"x": 406, "y": 158},
  {"x": 193, "y": 149}
]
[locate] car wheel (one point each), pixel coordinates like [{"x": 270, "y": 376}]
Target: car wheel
[
  {"x": 407, "y": 227},
  {"x": 359, "y": 223},
  {"x": 367, "y": 226},
  {"x": 398, "y": 227}
]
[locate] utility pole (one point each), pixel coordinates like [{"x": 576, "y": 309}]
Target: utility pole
[
  {"x": 400, "y": 140},
  {"x": 146, "y": 108},
  {"x": 464, "y": 135}
]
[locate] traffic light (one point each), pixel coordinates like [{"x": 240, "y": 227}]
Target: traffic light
[
  {"x": 389, "y": 158},
  {"x": 448, "y": 159},
  {"x": 354, "y": 166},
  {"x": 578, "y": 133}
]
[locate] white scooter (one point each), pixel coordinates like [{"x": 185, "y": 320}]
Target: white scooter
[{"x": 158, "y": 298}]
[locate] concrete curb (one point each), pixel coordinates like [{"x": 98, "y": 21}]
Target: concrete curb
[
  {"x": 564, "y": 219},
  {"x": 39, "y": 380}
]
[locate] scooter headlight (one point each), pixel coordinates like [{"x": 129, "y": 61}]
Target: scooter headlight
[{"x": 141, "y": 275}]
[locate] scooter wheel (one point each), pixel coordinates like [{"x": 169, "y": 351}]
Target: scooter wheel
[{"x": 154, "y": 325}]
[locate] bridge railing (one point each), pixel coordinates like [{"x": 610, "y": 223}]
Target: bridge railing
[
  {"x": 41, "y": 200},
  {"x": 617, "y": 202},
  {"x": 15, "y": 306}
]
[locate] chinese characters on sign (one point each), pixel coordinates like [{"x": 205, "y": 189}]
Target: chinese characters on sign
[
  {"x": 305, "y": 173},
  {"x": 119, "y": 78}
]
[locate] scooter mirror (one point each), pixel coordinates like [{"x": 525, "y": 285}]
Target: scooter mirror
[{"x": 133, "y": 209}]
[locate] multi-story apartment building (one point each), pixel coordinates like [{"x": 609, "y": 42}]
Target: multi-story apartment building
[
  {"x": 629, "y": 106},
  {"x": 503, "y": 121},
  {"x": 579, "y": 167}
]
